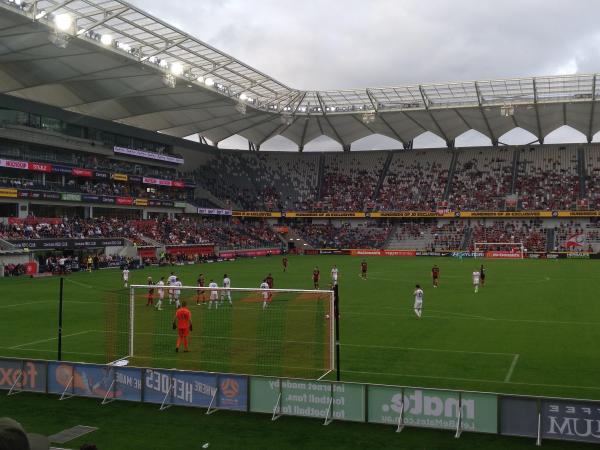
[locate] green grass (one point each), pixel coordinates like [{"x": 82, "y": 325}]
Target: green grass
[{"x": 546, "y": 312}]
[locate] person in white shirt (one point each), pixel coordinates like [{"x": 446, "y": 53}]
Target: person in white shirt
[
  {"x": 214, "y": 294},
  {"x": 418, "y": 293},
  {"x": 161, "y": 293},
  {"x": 476, "y": 278},
  {"x": 125, "y": 276},
  {"x": 334, "y": 275},
  {"x": 177, "y": 291},
  {"x": 265, "y": 293},
  {"x": 170, "y": 282},
  {"x": 226, "y": 293}
]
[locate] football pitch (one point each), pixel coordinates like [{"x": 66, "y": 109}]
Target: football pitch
[{"x": 533, "y": 329}]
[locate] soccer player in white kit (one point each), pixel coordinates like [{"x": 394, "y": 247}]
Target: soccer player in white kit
[
  {"x": 214, "y": 294},
  {"x": 170, "y": 282},
  {"x": 265, "y": 293},
  {"x": 476, "y": 278},
  {"x": 226, "y": 293},
  {"x": 418, "y": 293},
  {"x": 161, "y": 292},
  {"x": 125, "y": 276},
  {"x": 177, "y": 291},
  {"x": 334, "y": 275}
]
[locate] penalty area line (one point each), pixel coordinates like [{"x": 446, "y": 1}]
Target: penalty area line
[
  {"x": 512, "y": 368},
  {"x": 41, "y": 341}
]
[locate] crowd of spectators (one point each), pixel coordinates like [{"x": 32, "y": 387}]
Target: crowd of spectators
[
  {"x": 482, "y": 179},
  {"x": 70, "y": 228},
  {"x": 344, "y": 236},
  {"x": 547, "y": 179},
  {"x": 232, "y": 233},
  {"x": 528, "y": 232}
]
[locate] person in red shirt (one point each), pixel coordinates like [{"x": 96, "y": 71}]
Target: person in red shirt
[
  {"x": 150, "y": 301},
  {"x": 316, "y": 277},
  {"x": 363, "y": 269},
  {"x": 269, "y": 280},
  {"x": 183, "y": 323},
  {"x": 284, "y": 261},
  {"x": 435, "y": 275}
]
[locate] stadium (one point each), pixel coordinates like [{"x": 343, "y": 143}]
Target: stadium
[{"x": 418, "y": 296}]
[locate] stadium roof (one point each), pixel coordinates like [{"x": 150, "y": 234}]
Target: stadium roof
[{"x": 109, "y": 59}]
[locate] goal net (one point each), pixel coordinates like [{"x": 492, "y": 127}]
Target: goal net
[
  {"x": 501, "y": 249},
  {"x": 277, "y": 332}
]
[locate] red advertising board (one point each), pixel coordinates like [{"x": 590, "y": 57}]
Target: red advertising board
[
  {"x": 503, "y": 255},
  {"x": 369, "y": 252},
  {"x": 39, "y": 167},
  {"x": 147, "y": 252},
  {"x": 124, "y": 201},
  {"x": 191, "y": 250},
  {"x": 13, "y": 164},
  {"x": 82, "y": 173}
]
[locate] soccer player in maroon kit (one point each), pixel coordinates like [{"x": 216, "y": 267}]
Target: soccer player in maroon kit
[
  {"x": 150, "y": 301},
  {"x": 284, "y": 261},
  {"x": 316, "y": 276},
  {"x": 363, "y": 269},
  {"x": 435, "y": 275},
  {"x": 270, "y": 282},
  {"x": 200, "y": 294}
]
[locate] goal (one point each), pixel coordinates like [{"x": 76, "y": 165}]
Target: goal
[
  {"x": 502, "y": 249},
  {"x": 271, "y": 332}
]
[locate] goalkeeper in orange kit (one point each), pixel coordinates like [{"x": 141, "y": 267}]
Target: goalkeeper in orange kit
[{"x": 183, "y": 323}]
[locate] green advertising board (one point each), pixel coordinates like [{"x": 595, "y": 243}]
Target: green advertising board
[
  {"x": 434, "y": 409},
  {"x": 308, "y": 398}
]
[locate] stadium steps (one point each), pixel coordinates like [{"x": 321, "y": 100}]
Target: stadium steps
[
  {"x": 464, "y": 245},
  {"x": 422, "y": 243},
  {"x": 321, "y": 175},
  {"x": 448, "y": 188},
  {"x": 550, "y": 236},
  {"x": 582, "y": 170},
  {"x": 382, "y": 175},
  {"x": 390, "y": 236},
  {"x": 300, "y": 243},
  {"x": 200, "y": 192},
  {"x": 515, "y": 171}
]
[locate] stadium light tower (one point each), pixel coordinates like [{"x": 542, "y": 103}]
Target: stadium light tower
[{"x": 63, "y": 28}]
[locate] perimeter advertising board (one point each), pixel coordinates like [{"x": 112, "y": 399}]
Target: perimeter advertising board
[
  {"x": 434, "y": 409},
  {"x": 308, "y": 398},
  {"x": 571, "y": 420},
  {"x": 29, "y": 375}
]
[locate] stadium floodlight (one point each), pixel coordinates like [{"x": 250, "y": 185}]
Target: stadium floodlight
[
  {"x": 106, "y": 39},
  {"x": 209, "y": 82},
  {"x": 368, "y": 117},
  {"x": 200, "y": 79},
  {"x": 169, "y": 80},
  {"x": 177, "y": 69},
  {"x": 507, "y": 110},
  {"x": 41, "y": 14},
  {"x": 63, "y": 22},
  {"x": 241, "y": 108},
  {"x": 243, "y": 97}
]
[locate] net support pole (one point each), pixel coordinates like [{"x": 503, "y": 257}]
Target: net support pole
[
  {"x": 336, "y": 309},
  {"x": 131, "y": 319},
  {"x": 60, "y": 317}
]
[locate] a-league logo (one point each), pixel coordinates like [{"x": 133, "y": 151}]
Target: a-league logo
[{"x": 230, "y": 388}]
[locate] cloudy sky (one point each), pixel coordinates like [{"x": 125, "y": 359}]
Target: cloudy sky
[{"x": 337, "y": 44}]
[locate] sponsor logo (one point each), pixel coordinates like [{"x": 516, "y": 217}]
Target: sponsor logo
[
  {"x": 572, "y": 421},
  {"x": 503, "y": 255},
  {"x": 13, "y": 164},
  {"x": 230, "y": 387},
  {"x": 148, "y": 155},
  {"x": 578, "y": 255},
  {"x": 38, "y": 167},
  {"x": 82, "y": 173},
  {"x": 9, "y": 376},
  {"x": 468, "y": 254}
]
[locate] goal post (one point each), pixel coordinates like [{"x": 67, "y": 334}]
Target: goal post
[
  {"x": 506, "y": 247},
  {"x": 253, "y": 331}
]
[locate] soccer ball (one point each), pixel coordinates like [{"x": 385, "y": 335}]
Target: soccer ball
[{"x": 327, "y": 316}]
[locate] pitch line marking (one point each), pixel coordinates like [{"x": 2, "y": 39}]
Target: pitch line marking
[
  {"x": 49, "y": 339},
  {"x": 85, "y": 285},
  {"x": 440, "y": 350},
  {"x": 512, "y": 368},
  {"x": 479, "y": 380}
]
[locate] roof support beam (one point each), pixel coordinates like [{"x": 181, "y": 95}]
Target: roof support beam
[
  {"x": 339, "y": 138},
  {"x": 537, "y": 113},
  {"x": 449, "y": 143},
  {"x": 493, "y": 137},
  {"x": 304, "y": 128},
  {"x": 279, "y": 129},
  {"x": 375, "y": 104},
  {"x": 590, "y": 136},
  {"x": 108, "y": 14}
]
